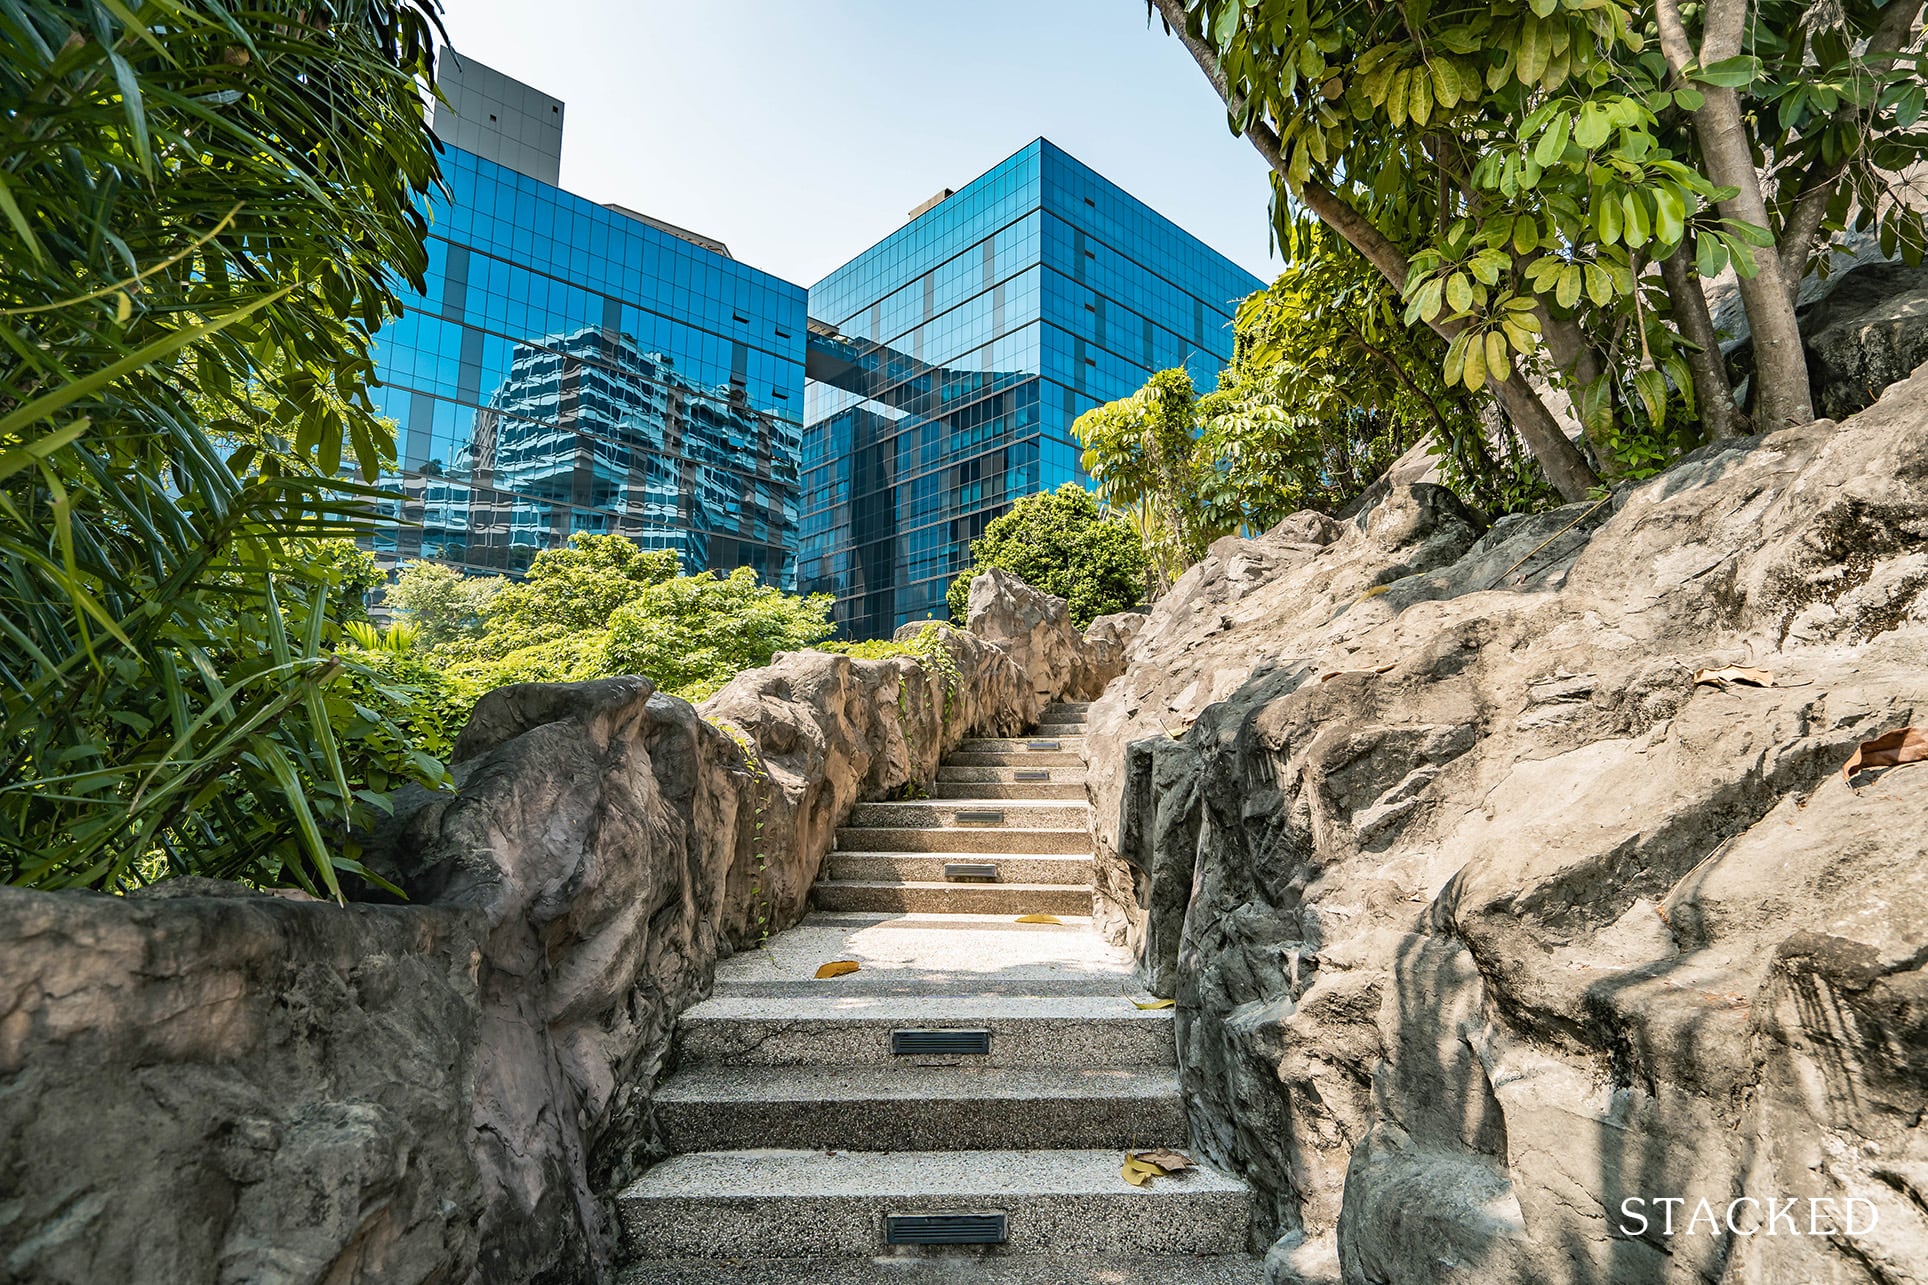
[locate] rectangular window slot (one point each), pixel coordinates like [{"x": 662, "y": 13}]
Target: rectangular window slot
[
  {"x": 983, "y": 816},
  {"x": 1031, "y": 774},
  {"x": 1040, "y": 745},
  {"x": 944, "y": 1229},
  {"x": 970, "y": 870},
  {"x": 911, "y": 1042},
  {"x": 739, "y": 317}
]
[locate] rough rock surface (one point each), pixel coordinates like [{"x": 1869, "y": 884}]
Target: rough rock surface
[
  {"x": 223, "y": 1087},
  {"x": 1036, "y": 629},
  {"x": 1483, "y": 917},
  {"x": 215, "y": 1085}
]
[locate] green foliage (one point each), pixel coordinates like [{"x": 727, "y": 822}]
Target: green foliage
[
  {"x": 1328, "y": 387},
  {"x": 351, "y": 573},
  {"x": 575, "y": 588},
  {"x": 1142, "y": 453},
  {"x": 927, "y": 647},
  {"x": 204, "y": 214},
  {"x": 1062, "y": 543},
  {"x": 690, "y": 631},
  {"x": 604, "y": 606},
  {"x": 1531, "y": 162},
  {"x": 444, "y": 604}
]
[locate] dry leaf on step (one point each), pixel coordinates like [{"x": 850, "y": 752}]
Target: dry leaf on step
[
  {"x": 1154, "y": 1003},
  {"x": 1038, "y": 919},
  {"x": 1728, "y": 675},
  {"x": 1165, "y": 1159},
  {"x": 1139, "y": 1173},
  {"x": 1357, "y": 673},
  {"x": 837, "y": 968},
  {"x": 1903, "y": 745}
]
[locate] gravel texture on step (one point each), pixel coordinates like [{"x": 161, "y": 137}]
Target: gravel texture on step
[
  {"x": 929, "y": 867},
  {"x": 920, "y": 1108},
  {"x": 1044, "y": 814},
  {"x": 952, "y": 897},
  {"x": 957, "y": 1267},
  {"x": 804, "y": 1204},
  {"x": 988, "y": 838},
  {"x": 995, "y": 790},
  {"x": 974, "y": 948}
]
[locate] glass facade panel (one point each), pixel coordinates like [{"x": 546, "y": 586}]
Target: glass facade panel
[
  {"x": 572, "y": 368},
  {"x": 947, "y": 362}
]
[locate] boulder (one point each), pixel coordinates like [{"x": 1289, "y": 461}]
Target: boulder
[
  {"x": 1485, "y": 917},
  {"x": 1036, "y": 629}
]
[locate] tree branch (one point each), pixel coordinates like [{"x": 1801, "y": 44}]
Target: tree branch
[{"x": 1712, "y": 392}]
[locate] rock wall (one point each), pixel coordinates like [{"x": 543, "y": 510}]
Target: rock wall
[
  {"x": 206, "y": 1084},
  {"x": 1484, "y": 917}
]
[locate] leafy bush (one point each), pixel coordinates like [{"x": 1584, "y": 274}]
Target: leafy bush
[
  {"x": 208, "y": 211},
  {"x": 1062, "y": 543},
  {"x": 604, "y": 606},
  {"x": 447, "y": 605}
]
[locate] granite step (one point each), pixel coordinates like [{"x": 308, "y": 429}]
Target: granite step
[
  {"x": 1008, "y": 789},
  {"x": 952, "y": 898},
  {"x": 1020, "y": 744},
  {"x": 840, "y": 1027},
  {"x": 929, "y": 867},
  {"x": 1068, "y": 758},
  {"x": 713, "y": 1206},
  {"x": 1049, "y": 814},
  {"x": 880, "y": 838},
  {"x": 961, "y": 1268},
  {"x": 919, "y": 1108},
  {"x": 1018, "y": 774}
]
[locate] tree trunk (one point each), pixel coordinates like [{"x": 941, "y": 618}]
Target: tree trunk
[
  {"x": 1712, "y": 393},
  {"x": 1782, "y": 397},
  {"x": 1566, "y": 468}
]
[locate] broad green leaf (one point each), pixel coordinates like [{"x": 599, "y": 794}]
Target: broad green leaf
[
  {"x": 1599, "y": 285},
  {"x": 1607, "y": 218},
  {"x": 1729, "y": 73},
  {"x": 1634, "y": 230},
  {"x": 1567, "y": 290},
  {"x": 1459, "y": 293},
  {"x": 1552, "y": 144},
  {"x": 1651, "y": 386},
  {"x": 1593, "y": 127},
  {"x": 1473, "y": 373},
  {"x": 1689, "y": 100},
  {"x": 1496, "y": 364},
  {"x": 1709, "y": 256},
  {"x": 1526, "y": 234},
  {"x": 1535, "y": 47}
]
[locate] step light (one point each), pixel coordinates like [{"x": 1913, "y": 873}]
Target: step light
[
  {"x": 1031, "y": 774},
  {"x": 1040, "y": 745},
  {"x": 944, "y": 1229},
  {"x": 983, "y": 816},
  {"x": 912, "y": 1042},
  {"x": 970, "y": 870}
]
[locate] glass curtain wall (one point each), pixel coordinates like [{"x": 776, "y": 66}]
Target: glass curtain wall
[
  {"x": 573, "y": 369},
  {"x": 947, "y": 362}
]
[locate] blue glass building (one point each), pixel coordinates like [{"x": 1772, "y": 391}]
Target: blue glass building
[
  {"x": 947, "y": 362},
  {"x": 578, "y": 367}
]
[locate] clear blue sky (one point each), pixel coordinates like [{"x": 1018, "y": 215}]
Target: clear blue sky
[{"x": 801, "y": 131}]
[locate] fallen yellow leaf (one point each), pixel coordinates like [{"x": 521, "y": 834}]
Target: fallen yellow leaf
[
  {"x": 1137, "y": 1172},
  {"x": 1728, "y": 675},
  {"x": 1154, "y": 1003},
  {"x": 1903, "y": 745},
  {"x": 837, "y": 968},
  {"x": 1039, "y": 919}
]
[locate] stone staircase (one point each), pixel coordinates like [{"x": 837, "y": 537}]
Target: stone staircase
[{"x": 957, "y": 1109}]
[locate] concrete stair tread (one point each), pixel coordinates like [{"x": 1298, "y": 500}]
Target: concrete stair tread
[
  {"x": 952, "y": 884},
  {"x": 945, "y": 1085},
  {"x": 1063, "y": 870},
  {"x": 1034, "y": 839},
  {"x": 964, "y": 1175},
  {"x": 926, "y": 984},
  {"x": 962, "y": 1269},
  {"x": 970, "y": 950},
  {"x": 915, "y": 1009}
]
